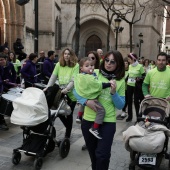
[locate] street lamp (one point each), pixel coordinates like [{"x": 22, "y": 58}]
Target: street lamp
[
  {"x": 22, "y": 2},
  {"x": 36, "y": 27},
  {"x": 166, "y": 49},
  {"x": 159, "y": 44},
  {"x": 117, "y": 29},
  {"x": 140, "y": 42}
]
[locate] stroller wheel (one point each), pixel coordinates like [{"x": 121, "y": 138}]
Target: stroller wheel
[
  {"x": 16, "y": 157},
  {"x": 132, "y": 155},
  {"x": 64, "y": 147},
  {"x": 169, "y": 161},
  {"x": 38, "y": 163},
  {"x": 131, "y": 167}
]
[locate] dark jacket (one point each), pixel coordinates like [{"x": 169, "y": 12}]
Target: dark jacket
[
  {"x": 1, "y": 81},
  {"x": 18, "y": 47},
  {"x": 48, "y": 67},
  {"x": 9, "y": 74},
  {"x": 39, "y": 66},
  {"x": 29, "y": 71}
]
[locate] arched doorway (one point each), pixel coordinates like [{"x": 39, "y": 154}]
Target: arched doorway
[
  {"x": 93, "y": 43},
  {"x": 11, "y": 22}
]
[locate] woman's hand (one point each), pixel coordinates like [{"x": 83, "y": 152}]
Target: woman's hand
[
  {"x": 45, "y": 89},
  {"x": 92, "y": 105},
  {"x": 64, "y": 91},
  {"x": 168, "y": 98},
  {"x": 147, "y": 96},
  {"x": 113, "y": 87}
]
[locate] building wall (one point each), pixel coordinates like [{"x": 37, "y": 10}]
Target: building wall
[
  {"x": 93, "y": 21},
  {"x": 151, "y": 26},
  {"x": 47, "y": 13}
]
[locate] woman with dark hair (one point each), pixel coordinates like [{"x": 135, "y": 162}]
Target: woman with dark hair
[
  {"x": 136, "y": 75},
  {"x": 112, "y": 68},
  {"x": 29, "y": 71},
  {"x": 17, "y": 65},
  {"x": 65, "y": 71},
  {"x": 153, "y": 64},
  {"x": 146, "y": 65},
  {"x": 94, "y": 56}
]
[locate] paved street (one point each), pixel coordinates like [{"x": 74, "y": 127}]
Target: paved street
[{"x": 76, "y": 160}]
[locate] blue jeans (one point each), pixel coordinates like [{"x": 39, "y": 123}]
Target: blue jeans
[{"x": 99, "y": 149}]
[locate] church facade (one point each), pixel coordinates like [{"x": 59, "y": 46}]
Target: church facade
[{"x": 56, "y": 28}]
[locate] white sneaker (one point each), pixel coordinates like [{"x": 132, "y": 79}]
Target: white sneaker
[
  {"x": 95, "y": 132},
  {"x": 123, "y": 114}
]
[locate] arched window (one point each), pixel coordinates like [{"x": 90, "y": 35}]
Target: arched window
[
  {"x": 93, "y": 43},
  {"x": 57, "y": 34}
]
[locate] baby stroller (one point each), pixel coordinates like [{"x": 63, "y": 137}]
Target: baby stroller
[
  {"x": 147, "y": 140},
  {"x": 32, "y": 113}
]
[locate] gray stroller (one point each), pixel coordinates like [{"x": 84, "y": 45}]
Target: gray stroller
[{"x": 147, "y": 140}]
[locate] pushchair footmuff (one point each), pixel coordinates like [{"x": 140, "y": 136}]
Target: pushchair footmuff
[
  {"x": 32, "y": 113},
  {"x": 147, "y": 140}
]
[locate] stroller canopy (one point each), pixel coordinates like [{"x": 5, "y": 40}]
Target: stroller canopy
[{"x": 31, "y": 108}]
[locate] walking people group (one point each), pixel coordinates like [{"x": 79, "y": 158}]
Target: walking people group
[{"x": 101, "y": 84}]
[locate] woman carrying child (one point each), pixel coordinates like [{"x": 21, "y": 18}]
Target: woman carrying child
[{"x": 112, "y": 67}]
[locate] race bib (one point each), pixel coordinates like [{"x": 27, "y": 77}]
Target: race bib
[
  {"x": 131, "y": 80},
  {"x": 147, "y": 159}
]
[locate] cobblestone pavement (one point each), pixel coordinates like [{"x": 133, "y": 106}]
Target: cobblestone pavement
[{"x": 76, "y": 160}]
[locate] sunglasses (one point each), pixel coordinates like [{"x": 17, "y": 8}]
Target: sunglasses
[
  {"x": 111, "y": 61},
  {"x": 93, "y": 58}
]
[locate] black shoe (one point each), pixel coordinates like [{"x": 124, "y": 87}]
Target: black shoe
[
  {"x": 4, "y": 127},
  {"x": 78, "y": 119},
  {"x": 128, "y": 119},
  {"x": 84, "y": 147},
  {"x": 95, "y": 132},
  {"x": 67, "y": 137}
]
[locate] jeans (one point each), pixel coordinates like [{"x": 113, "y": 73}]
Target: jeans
[{"x": 99, "y": 149}]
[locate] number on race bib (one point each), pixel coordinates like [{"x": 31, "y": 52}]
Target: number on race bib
[
  {"x": 131, "y": 80},
  {"x": 147, "y": 159}
]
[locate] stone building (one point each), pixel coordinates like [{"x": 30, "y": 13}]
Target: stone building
[{"x": 57, "y": 27}]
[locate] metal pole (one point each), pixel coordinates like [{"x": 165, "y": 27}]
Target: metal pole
[
  {"x": 116, "y": 38},
  {"x": 139, "y": 48},
  {"x": 36, "y": 28}
]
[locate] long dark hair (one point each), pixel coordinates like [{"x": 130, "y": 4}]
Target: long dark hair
[
  {"x": 119, "y": 72},
  {"x": 14, "y": 59},
  {"x": 97, "y": 64}
]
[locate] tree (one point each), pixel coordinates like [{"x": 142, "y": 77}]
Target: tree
[
  {"x": 160, "y": 4},
  {"x": 130, "y": 11},
  {"x": 107, "y": 7},
  {"x": 77, "y": 33}
]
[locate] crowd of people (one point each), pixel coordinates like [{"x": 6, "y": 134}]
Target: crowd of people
[{"x": 100, "y": 83}]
